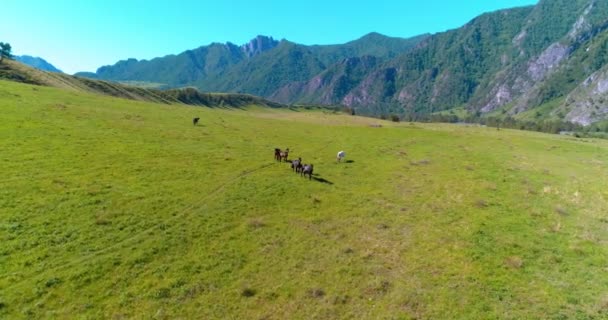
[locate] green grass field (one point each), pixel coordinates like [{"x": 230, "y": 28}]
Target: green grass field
[{"x": 121, "y": 209}]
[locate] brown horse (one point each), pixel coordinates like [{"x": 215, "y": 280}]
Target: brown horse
[
  {"x": 195, "y": 120},
  {"x": 277, "y": 154},
  {"x": 284, "y": 155}
]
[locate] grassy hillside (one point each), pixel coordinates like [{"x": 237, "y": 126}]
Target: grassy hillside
[
  {"x": 15, "y": 71},
  {"x": 113, "y": 208}
]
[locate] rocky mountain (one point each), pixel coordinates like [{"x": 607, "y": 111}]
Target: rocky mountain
[
  {"x": 174, "y": 70},
  {"x": 267, "y": 71},
  {"x": 548, "y": 60},
  {"x": 443, "y": 71},
  {"x": 258, "y": 45},
  {"x": 330, "y": 86},
  {"x": 542, "y": 62},
  {"x": 37, "y": 63},
  {"x": 259, "y": 67},
  {"x": 372, "y": 44},
  {"x": 556, "y": 59}
]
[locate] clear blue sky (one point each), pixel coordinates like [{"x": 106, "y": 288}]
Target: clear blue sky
[{"x": 82, "y": 35}]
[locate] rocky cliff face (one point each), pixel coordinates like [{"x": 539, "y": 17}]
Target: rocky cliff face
[
  {"x": 331, "y": 86},
  {"x": 258, "y": 45},
  {"x": 522, "y": 82},
  {"x": 513, "y": 60},
  {"x": 588, "y": 103}
]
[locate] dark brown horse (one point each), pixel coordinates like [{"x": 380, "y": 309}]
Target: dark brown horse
[
  {"x": 195, "y": 120},
  {"x": 277, "y": 154}
]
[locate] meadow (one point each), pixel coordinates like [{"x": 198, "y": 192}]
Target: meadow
[{"x": 120, "y": 209}]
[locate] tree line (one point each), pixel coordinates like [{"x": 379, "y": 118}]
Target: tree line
[
  {"x": 547, "y": 126},
  {"x": 598, "y": 130}
]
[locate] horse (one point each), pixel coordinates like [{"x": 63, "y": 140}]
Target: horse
[
  {"x": 195, "y": 120},
  {"x": 277, "y": 154},
  {"x": 284, "y": 154},
  {"x": 340, "y": 156},
  {"x": 307, "y": 170},
  {"x": 296, "y": 165}
]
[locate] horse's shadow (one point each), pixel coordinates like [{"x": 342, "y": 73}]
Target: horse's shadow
[
  {"x": 349, "y": 161},
  {"x": 322, "y": 180}
]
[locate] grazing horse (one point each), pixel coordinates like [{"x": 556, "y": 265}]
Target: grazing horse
[
  {"x": 195, "y": 120},
  {"x": 296, "y": 165},
  {"x": 284, "y": 154},
  {"x": 277, "y": 154},
  {"x": 307, "y": 170}
]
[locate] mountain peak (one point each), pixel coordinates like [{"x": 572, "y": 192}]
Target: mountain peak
[
  {"x": 37, "y": 63},
  {"x": 373, "y": 34},
  {"x": 258, "y": 45}
]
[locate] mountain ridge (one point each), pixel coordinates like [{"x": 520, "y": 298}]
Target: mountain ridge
[
  {"x": 531, "y": 60},
  {"x": 222, "y": 67},
  {"x": 37, "y": 62},
  {"x": 511, "y": 61}
]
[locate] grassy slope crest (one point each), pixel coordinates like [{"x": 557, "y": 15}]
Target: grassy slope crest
[{"x": 14, "y": 71}]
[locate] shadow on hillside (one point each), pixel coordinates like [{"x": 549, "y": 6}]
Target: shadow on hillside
[{"x": 322, "y": 180}]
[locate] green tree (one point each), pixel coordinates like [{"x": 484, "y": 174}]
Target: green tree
[{"x": 5, "y": 51}]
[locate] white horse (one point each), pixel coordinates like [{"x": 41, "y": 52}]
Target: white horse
[{"x": 340, "y": 156}]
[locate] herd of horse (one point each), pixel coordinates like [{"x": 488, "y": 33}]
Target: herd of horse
[
  {"x": 283, "y": 156},
  {"x": 296, "y": 165}
]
